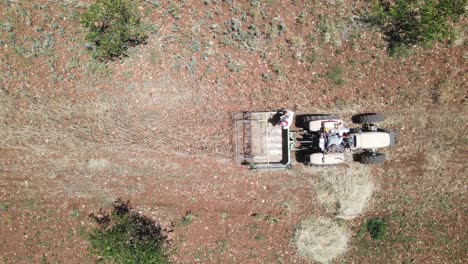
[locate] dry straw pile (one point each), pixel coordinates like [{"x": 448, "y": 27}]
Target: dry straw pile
[{"x": 321, "y": 240}]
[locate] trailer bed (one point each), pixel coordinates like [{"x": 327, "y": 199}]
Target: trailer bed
[{"x": 259, "y": 142}]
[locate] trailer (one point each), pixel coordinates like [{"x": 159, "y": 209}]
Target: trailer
[{"x": 260, "y": 143}]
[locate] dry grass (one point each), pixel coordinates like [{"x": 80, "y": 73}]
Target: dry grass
[
  {"x": 447, "y": 92},
  {"x": 320, "y": 240},
  {"x": 109, "y": 120},
  {"x": 345, "y": 191},
  {"x": 435, "y": 135},
  {"x": 162, "y": 114},
  {"x": 98, "y": 164},
  {"x": 68, "y": 135}
]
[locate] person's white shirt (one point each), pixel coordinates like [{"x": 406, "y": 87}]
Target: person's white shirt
[
  {"x": 340, "y": 130},
  {"x": 286, "y": 119}
]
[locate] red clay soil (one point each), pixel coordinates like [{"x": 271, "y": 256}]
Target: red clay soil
[{"x": 157, "y": 130}]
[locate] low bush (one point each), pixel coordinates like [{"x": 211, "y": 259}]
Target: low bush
[
  {"x": 114, "y": 26},
  {"x": 377, "y": 228},
  {"x": 124, "y": 236},
  {"x": 336, "y": 76},
  {"x": 411, "y": 22}
]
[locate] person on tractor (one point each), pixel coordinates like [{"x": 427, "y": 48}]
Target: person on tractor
[
  {"x": 286, "y": 119},
  {"x": 338, "y": 142}
]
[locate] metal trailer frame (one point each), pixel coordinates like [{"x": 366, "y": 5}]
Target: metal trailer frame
[{"x": 245, "y": 126}]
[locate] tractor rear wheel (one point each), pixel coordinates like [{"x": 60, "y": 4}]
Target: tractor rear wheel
[
  {"x": 372, "y": 158},
  {"x": 302, "y": 121},
  {"x": 368, "y": 118}
]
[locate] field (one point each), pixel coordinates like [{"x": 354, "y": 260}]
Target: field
[{"x": 155, "y": 128}]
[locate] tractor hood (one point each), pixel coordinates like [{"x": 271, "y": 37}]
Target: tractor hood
[{"x": 371, "y": 140}]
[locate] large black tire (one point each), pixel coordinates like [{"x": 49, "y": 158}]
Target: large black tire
[
  {"x": 372, "y": 158},
  {"x": 368, "y": 118},
  {"x": 302, "y": 121}
]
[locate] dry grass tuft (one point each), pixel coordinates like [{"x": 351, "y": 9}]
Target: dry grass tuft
[
  {"x": 97, "y": 164},
  {"x": 345, "y": 191},
  {"x": 448, "y": 92},
  {"x": 320, "y": 240}
]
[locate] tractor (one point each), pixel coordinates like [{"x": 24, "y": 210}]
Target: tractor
[{"x": 264, "y": 140}]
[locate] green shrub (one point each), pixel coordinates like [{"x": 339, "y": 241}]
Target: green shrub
[
  {"x": 114, "y": 26},
  {"x": 377, "y": 228},
  {"x": 277, "y": 28},
  {"x": 125, "y": 236},
  {"x": 411, "y": 22},
  {"x": 336, "y": 75},
  {"x": 187, "y": 219}
]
